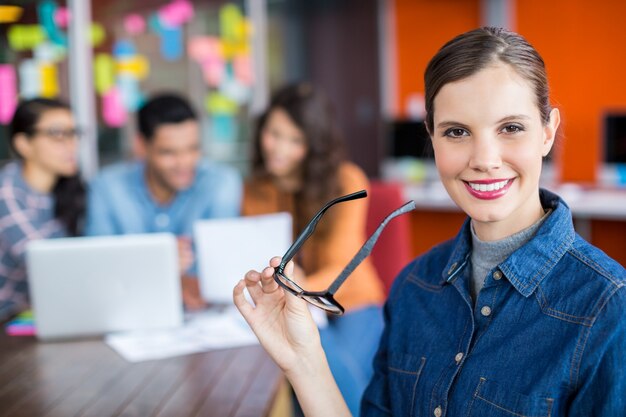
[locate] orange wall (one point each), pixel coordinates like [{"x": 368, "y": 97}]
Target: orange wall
[
  {"x": 584, "y": 46},
  {"x": 422, "y": 26},
  {"x": 582, "y": 42}
]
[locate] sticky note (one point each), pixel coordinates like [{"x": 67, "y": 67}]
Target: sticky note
[
  {"x": 25, "y": 37},
  {"x": 62, "y": 17},
  {"x": 217, "y": 103},
  {"x": 123, "y": 48},
  {"x": 97, "y": 34},
  {"x": 234, "y": 90},
  {"x": 134, "y": 24},
  {"x": 30, "y": 80},
  {"x": 113, "y": 112},
  {"x": 130, "y": 94},
  {"x": 176, "y": 13},
  {"x": 171, "y": 43},
  {"x": 136, "y": 66},
  {"x": 203, "y": 48},
  {"x": 10, "y": 14},
  {"x": 104, "y": 72},
  {"x": 231, "y": 22},
  {"x": 242, "y": 67},
  {"x": 213, "y": 71},
  {"x": 49, "y": 80},
  {"x": 223, "y": 128},
  {"x": 49, "y": 52},
  {"x": 46, "y": 10},
  {"x": 8, "y": 92}
]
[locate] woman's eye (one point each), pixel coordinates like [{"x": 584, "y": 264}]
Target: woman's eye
[
  {"x": 512, "y": 129},
  {"x": 455, "y": 132}
]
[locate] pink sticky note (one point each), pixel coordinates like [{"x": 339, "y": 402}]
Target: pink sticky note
[
  {"x": 242, "y": 67},
  {"x": 21, "y": 330},
  {"x": 204, "y": 48},
  {"x": 113, "y": 111},
  {"x": 176, "y": 13},
  {"x": 134, "y": 24},
  {"x": 8, "y": 92},
  {"x": 62, "y": 17},
  {"x": 213, "y": 71}
]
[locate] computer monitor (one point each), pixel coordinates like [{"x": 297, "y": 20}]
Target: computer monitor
[
  {"x": 409, "y": 138},
  {"x": 615, "y": 137}
]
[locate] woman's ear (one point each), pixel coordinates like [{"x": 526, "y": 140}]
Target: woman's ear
[
  {"x": 22, "y": 145},
  {"x": 550, "y": 130}
]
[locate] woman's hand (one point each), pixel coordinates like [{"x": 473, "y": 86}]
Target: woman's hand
[{"x": 282, "y": 322}]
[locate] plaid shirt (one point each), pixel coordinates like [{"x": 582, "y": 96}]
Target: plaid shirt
[{"x": 25, "y": 215}]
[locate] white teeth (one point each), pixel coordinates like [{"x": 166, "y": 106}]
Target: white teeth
[{"x": 494, "y": 186}]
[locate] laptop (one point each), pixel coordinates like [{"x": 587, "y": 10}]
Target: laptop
[
  {"x": 228, "y": 248},
  {"x": 88, "y": 286}
]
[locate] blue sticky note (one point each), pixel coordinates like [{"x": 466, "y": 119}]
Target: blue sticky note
[
  {"x": 171, "y": 43},
  {"x": 124, "y": 49},
  {"x": 223, "y": 128}
]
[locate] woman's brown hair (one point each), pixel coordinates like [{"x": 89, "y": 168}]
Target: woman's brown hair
[
  {"x": 311, "y": 111},
  {"x": 472, "y": 51}
]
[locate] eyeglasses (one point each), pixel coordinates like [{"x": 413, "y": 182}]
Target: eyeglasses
[
  {"x": 59, "y": 135},
  {"x": 325, "y": 299}
]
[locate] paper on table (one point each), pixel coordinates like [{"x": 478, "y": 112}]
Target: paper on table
[{"x": 202, "y": 331}]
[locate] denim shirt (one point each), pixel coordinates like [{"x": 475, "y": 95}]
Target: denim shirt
[{"x": 547, "y": 336}]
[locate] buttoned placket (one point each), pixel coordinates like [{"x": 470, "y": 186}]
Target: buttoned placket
[{"x": 457, "y": 277}]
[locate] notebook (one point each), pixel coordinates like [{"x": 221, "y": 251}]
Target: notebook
[
  {"x": 93, "y": 285},
  {"x": 228, "y": 248}
]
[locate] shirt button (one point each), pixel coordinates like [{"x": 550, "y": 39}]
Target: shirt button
[
  {"x": 458, "y": 357},
  {"x": 451, "y": 270},
  {"x": 485, "y": 311},
  {"x": 437, "y": 412},
  {"x": 162, "y": 220},
  {"x": 497, "y": 275}
]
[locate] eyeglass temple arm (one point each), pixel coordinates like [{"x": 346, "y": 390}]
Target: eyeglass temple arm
[
  {"x": 310, "y": 227},
  {"x": 368, "y": 246}
]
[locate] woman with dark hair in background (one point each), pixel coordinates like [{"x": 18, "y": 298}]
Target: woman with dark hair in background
[
  {"x": 298, "y": 166},
  {"x": 41, "y": 194}
]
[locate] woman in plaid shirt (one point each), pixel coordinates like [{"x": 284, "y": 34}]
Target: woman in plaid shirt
[{"x": 41, "y": 194}]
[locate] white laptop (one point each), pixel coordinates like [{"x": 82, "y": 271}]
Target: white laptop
[
  {"x": 93, "y": 285},
  {"x": 228, "y": 248}
]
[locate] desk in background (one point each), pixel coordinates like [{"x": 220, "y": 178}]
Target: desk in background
[{"x": 87, "y": 378}]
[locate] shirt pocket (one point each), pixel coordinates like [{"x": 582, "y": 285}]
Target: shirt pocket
[
  {"x": 404, "y": 375},
  {"x": 494, "y": 400}
]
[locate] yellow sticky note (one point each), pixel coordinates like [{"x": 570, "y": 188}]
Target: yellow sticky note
[
  {"x": 217, "y": 103},
  {"x": 137, "y": 66},
  {"x": 104, "y": 73},
  {"x": 24, "y": 37},
  {"x": 49, "y": 80},
  {"x": 97, "y": 34},
  {"x": 231, "y": 23}
]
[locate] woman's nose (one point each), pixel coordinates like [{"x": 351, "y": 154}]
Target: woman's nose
[{"x": 485, "y": 154}]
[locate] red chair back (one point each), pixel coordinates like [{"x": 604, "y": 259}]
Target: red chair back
[{"x": 392, "y": 251}]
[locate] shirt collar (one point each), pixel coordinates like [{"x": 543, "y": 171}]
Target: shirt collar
[{"x": 531, "y": 263}]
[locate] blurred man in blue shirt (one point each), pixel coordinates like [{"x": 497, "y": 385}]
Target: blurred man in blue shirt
[{"x": 169, "y": 189}]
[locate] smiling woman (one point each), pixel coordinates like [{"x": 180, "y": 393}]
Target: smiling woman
[{"x": 517, "y": 315}]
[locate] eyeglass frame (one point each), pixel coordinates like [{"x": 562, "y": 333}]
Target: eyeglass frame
[
  {"x": 328, "y": 294},
  {"x": 58, "y": 135}
]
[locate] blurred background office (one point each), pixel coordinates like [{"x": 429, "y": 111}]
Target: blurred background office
[{"x": 367, "y": 55}]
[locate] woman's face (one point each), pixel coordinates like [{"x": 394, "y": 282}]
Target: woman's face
[
  {"x": 489, "y": 141},
  {"x": 54, "y": 144},
  {"x": 283, "y": 145}
]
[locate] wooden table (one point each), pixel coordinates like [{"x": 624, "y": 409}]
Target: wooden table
[{"x": 87, "y": 378}]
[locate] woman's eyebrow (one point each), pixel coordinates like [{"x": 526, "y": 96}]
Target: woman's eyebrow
[
  {"x": 514, "y": 117},
  {"x": 451, "y": 123}
]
